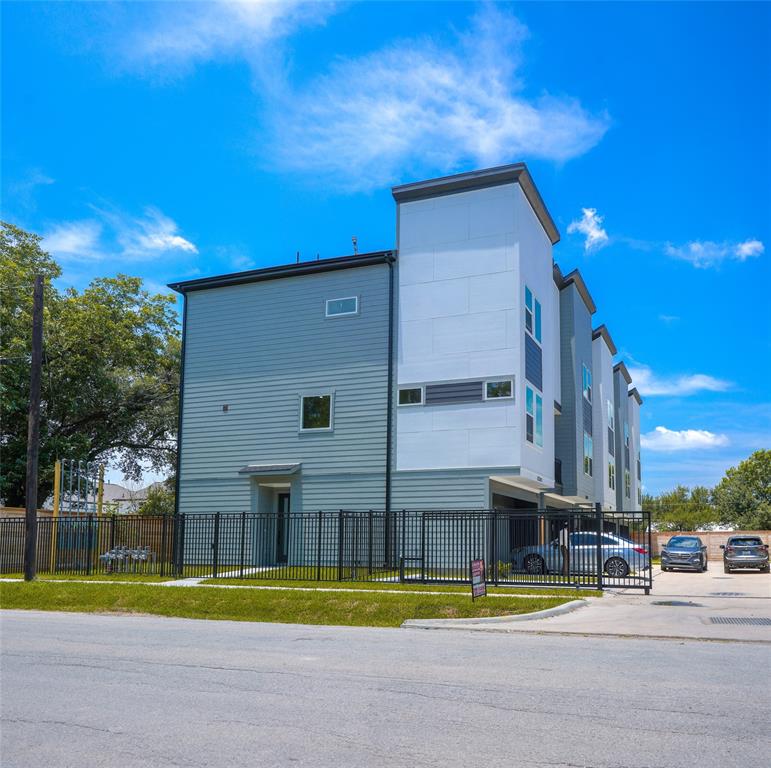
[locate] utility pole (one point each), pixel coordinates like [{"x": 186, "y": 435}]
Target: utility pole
[{"x": 33, "y": 432}]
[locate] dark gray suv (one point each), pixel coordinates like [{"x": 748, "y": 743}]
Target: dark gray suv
[
  {"x": 687, "y": 552},
  {"x": 745, "y": 552}
]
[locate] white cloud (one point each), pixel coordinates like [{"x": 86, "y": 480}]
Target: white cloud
[
  {"x": 650, "y": 384},
  {"x": 174, "y": 36},
  {"x": 706, "y": 254},
  {"x": 668, "y": 319},
  {"x": 669, "y": 440},
  {"x": 148, "y": 235},
  {"x": 74, "y": 240},
  {"x": 590, "y": 225},
  {"x": 417, "y": 104},
  {"x": 114, "y": 234}
]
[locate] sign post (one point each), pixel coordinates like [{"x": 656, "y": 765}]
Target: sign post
[{"x": 478, "y": 583}]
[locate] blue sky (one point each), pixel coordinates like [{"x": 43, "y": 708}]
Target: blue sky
[{"x": 172, "y": 140}]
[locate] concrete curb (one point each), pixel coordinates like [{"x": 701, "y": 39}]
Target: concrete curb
[{"x": 573, "y": 605}]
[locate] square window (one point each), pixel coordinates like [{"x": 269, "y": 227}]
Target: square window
[
  {"x": 411, "y": 396},
  {"x": 316, "y": 412},
  {"x": 495, "y": 390},
  {"x": 346, "y": 306}
]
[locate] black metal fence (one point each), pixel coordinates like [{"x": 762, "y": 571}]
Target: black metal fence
[{"x": 576, "y": 548}]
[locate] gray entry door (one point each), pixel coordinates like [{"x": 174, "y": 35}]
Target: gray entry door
[{"x": 282, "y": 527}]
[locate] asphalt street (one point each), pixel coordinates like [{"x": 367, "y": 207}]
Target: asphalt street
[{"x": 93, "y": 690}]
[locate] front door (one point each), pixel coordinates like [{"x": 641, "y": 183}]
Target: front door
[{"x": 282, "y": 527}]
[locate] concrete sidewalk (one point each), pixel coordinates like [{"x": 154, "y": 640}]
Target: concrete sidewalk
[{"x": 683, "y": 606}]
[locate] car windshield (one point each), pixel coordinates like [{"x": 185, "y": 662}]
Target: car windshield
[
  {"x": 745, "y": 541},
  {"x": 683, "y": 542}
]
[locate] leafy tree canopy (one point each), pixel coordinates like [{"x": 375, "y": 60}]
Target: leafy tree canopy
[
  {"x": 682, "y": 509},
  {"x": 110, "y": 370},
  {"x": 743, "y": 496}
]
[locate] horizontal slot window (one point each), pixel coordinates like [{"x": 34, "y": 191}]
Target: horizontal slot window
[
  {"x": 345, "y": 306},
  {"x": 411, "y": 396},
  {"x": 499, "y": 389}
]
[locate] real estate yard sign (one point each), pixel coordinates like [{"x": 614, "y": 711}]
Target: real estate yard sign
[{"x": 478, "y": 584}]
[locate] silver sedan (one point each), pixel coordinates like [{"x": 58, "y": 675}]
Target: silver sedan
[{"x": 620, "y": 556}]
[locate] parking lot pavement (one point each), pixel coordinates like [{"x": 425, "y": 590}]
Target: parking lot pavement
[
  {"x": 696, "y": 606},
  {"x": 711, "y": 583}
]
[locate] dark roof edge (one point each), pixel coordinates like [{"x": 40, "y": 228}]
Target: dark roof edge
[
  {"x": 602, "y": 331},
  {"x": 622, "y": 369},
  {"x": 488, "y": 177},
  {"x": 636, "y": 395},
  {"x": 575, "y": 278},
  {"x": 285, "y": 270}
]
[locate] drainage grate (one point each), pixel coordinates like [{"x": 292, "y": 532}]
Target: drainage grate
[
  {"x": 763, "y": 621},
  {"x": 727, "y": 594}
]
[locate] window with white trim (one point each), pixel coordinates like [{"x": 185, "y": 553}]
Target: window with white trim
[
  {"x": 499, "y": 389},
  {"x": 587, "y": 383},
  {"x": 611, "y": 429},
  {"x": 533, "y": 417},
  {"x": 349, "y": 305},
  {"x": 411, "y": 396},
  {"x": 611, "y": 475},
  {"x": 588, "y": 454},
  {"x": 532, "y": 315},
  {"x": 627, "y": 484},
  {"x": 315, "y": 412}
]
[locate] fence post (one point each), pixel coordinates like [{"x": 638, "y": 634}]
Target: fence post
[
  {"x": 369, "y": 538},
  {"x": 600, "y": 564},
  {"x": 318, "y": 547},
  {"x": 90, "y": 549},
  {"x": 340, "y": 545},
  {"x": 216, "y": 544},
  {"x": 423, "y": 547},
  {"x": 646, "y": 520},
  {"x": 163, "y": 545},
  {"x": 243, "y": 543},
  {"x": 494, "y": 542}
]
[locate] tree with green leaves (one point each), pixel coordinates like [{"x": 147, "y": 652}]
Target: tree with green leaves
[
  {"x": 110, "y": 370},
  {"x": 743, "y": 496},
  {"x": 160, "y": 499},
  {"x": 682, "y": 509}
]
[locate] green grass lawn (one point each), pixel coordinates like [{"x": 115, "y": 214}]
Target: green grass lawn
[
  {"x": 93, "y": 577},
  {"x": 300, "y": 607},
  {"x": 459, "y": 589}
]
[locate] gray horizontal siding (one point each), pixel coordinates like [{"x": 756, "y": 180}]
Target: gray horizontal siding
[
  {"x": 450, "y": 489},
  {"x": 257, "y": 348},
  {"x": 456, "y": 392}
]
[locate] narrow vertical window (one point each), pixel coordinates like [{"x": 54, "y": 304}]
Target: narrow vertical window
[
  {"x": 611, "y": 475},
  {"x": 528, "y": 310},
  {"x": 587, "y": 383},
  {"x": 627, "y": 484},
  {"x": 537, "y": 320},
  {"x": 588, "y": 454},
  {"x": 529, "y": 414},
  {"x": 539, "y": 420}
]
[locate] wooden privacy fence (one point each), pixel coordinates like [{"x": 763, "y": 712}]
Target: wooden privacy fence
[{"x": 91, "y": 544}]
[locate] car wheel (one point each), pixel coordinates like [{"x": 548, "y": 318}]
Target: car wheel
[
  {"x": 705, "y": 566},
  {"x": 664, "y": 568},
  {"x": 766, "y": 569},
  {"x": 726, "y": 569},
  {"x": 534, "y": 564},
  {"x": 617, "y": 567}
]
